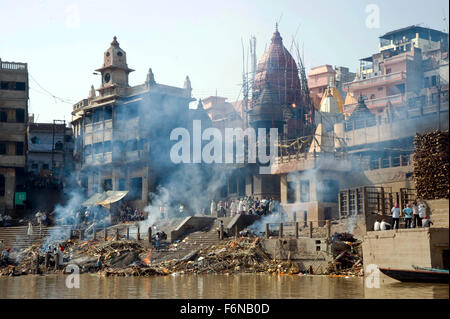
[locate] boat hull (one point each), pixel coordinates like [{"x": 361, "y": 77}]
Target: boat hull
[{"x": 406, "y": 275}]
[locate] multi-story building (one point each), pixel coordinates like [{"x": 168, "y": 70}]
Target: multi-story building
[
  {"x": 13, "y": 131},
  {"x": 410, "y": 61},
  {"x": 50, "y": 147},
  {"x": 49, "y": 163},
  {"x": 122, "y": 134}
]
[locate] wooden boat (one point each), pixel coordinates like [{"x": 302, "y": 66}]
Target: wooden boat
[{"x": 418, "y": 274}]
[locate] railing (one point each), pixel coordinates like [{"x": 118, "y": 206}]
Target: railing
[
  {"x": 376, "y": 79},
  {"x": 278, "y": 229},
  {"x": 13, "y": 66},
  {"x": 309, "y": 156},
  {"x": 394, "y": 99}
]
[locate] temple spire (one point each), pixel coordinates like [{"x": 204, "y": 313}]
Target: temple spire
[{"x": 150, "y": 80}]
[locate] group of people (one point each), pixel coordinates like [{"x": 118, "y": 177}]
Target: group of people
[
  {"x": 245, "y": 205},
  {"x": 127, "y": 214},
  {"x": 414, "y": 215},
  {"x": 5, "y": 220}
]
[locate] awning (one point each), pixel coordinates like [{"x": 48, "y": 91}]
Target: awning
[{"x": 105, "y": 198}]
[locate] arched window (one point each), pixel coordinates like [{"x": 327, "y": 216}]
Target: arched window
[{"x": 2, "y": 185}]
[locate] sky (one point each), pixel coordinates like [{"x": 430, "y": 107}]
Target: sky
[{"x": 63, "y": 41}]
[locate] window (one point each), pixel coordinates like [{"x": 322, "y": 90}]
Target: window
[
  {"x": 2, "y": 185},
  {"x": 122, "y": 184},
  {"x": 380, "y": 89},
  {"x": 385, "y": 162},
  {"x": 98, "y": 148},
  {"x": 107, "y": 185},
  {"x": 291, "y": 192},
  {"x": 328, "y": 190},
  {"x": 19, "y": 148},
  {"x": 388, "y": 71},
  {"x": 34, "y": 166},
  {"x": 35, "y": 140},
  {"x": 20, "y": 116},
  {"x": 3, "y": 116},
  {"x": 136, "y": 188},
  {"x": 20, "y": 86},
  {"x": 304, "y": 191},
  {"x": 96, "y": 116},
  {"x": 45, "y": 166},
  {"x": 433, "y": 80},
  {"x": 58, "y": 146},
  {"x": 2, "y": 148},
  {"x": 372, "y": 96},
  {"x": 108, "y": 113},
  {"x": 395, "y": 160},
  {"x": 10, "y": 85},
  {"x": 405, "y": 159},
  {"x": 107, "y": 147},
  {"x": 374, "y": 163}
]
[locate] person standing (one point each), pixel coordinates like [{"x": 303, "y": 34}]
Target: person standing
[
  {"x": 30, "y": 230},
  {"x": 416, "y": 218},
  {"x": 213, "y": 208},
  {"x": 241, "y": 207},
  {"x": 408, "y": 212},
  {"x": 157, "y": 244},
  {"x": 395, "y": 216},
  {"x": 39, "y": 218},
  {"x": 234, "y": 208},
  {"x": 422, "y": 215}
]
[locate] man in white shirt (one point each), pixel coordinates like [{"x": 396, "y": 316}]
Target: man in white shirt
[
  {"x": 396, "y": 216},
  {"x": 376, "y": 226},
  {"x": 233, "y": 208},
  {"x": 421, "y": 208},
  {"x": 241, "y": 207},
  {"x": 384, "y": 225}
]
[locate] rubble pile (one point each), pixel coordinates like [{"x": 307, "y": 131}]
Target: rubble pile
[
  {"x": 347, "y": 256},
  {"x": 234, "y": 255},
  {"x": 431, "y": 165},
  {"x": 131, "y": 258}
]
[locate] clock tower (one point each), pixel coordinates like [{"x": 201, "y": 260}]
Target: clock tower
[{"x": 114, "y": 70}]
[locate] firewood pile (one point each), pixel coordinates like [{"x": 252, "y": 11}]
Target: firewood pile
[{"x": 431, "y": 165}]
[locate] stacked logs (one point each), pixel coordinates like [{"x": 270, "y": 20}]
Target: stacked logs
[{"x": 431, "y": 165}]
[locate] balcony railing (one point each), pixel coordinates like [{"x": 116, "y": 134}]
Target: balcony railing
[
  {"x": 13, "y": 66},
  {"x": 376, "y": 80},
  {"x": 394, "y": 99}
]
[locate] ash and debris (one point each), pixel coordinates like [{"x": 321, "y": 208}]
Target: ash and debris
[{"x": 132, "y": 258}]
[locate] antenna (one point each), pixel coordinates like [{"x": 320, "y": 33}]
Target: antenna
[{"x": 279, "y": 19}]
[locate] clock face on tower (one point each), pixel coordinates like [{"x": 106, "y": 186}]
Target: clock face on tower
[{"x": 107, "y": 77}]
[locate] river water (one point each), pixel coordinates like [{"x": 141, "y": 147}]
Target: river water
[{"x": 213, "y": 287}]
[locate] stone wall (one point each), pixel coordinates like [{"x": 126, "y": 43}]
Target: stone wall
[{"x": 403, "y": 248}]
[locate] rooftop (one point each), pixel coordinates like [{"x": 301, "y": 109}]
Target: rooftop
[{"x": 411, "y": 28}]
